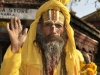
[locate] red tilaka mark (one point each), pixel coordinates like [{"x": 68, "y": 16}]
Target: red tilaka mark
[{"x": 54, "y": 15}]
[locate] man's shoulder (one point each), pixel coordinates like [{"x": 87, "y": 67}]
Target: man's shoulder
[{"x": 78, "y": 52}]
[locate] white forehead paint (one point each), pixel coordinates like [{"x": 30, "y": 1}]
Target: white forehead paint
[
  {"x": 57, "y": 16},
  {"x": 50, "y": 15},
  {"x": 54, "y": 22},
  {"x": 54, "y": 17}
]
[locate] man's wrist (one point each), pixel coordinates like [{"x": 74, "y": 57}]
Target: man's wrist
[{"x": 15, "y": 48}]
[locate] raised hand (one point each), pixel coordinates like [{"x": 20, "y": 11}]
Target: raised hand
[{"x": 17, "y": 37}]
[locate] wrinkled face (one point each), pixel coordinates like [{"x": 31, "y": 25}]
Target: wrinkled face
[{"x": 53, "y": 24}]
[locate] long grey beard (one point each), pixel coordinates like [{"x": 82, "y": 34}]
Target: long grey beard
[
  {"x": 51, "y": 49},
  {"x": 52, "y": 53}
]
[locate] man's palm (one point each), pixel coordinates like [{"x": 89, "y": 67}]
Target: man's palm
[{"x": 17, "y": 37}]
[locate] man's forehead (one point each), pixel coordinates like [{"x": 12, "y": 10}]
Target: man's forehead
[{"x": 53, "y": 15}]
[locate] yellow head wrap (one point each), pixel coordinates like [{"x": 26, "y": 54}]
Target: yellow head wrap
[{"x": 30, "y": 53}]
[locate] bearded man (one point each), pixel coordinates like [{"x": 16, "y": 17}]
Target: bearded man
[
  {"x": 51, "y": 37},
  {"x": 49, "y": 48}
]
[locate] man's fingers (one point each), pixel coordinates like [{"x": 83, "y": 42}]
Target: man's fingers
[
  {"x": 8, "y": 29},
  {"x": 25, "y": 31},
  {"x": 19, "y": 24},
  {"x": 12, "y": 24},
  {"x": 16, "y": 22}
]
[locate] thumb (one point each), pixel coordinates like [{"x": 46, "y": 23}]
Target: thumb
[{"x": 25, "y": 31}]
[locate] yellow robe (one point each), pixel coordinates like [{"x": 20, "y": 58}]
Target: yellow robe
[{"x": 12, "y": 65}]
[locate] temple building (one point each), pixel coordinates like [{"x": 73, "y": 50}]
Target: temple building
[{"x": 93, "y": 19}]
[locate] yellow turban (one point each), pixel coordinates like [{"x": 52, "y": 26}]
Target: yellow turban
[
  {"x": 63, "y": 1},
  {"x": 30, "y": 53}
]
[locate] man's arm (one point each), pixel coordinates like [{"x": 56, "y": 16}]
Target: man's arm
[
  {"x": 12, "y": 58},
  {"x": 11, "y": 63}
]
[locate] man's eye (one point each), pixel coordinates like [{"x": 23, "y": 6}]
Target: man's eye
[
  {"x": 48, "y": 24},
  {"x": 58, "y": 26}
]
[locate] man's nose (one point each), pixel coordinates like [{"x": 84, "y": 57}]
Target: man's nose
[{"x": 53, "y": 29}]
